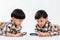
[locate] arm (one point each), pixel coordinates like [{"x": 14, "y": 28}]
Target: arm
[
  {"x": 42, "y": 34},
  {"x": 14, "y": 35},
  {"x": 47, "y": 34},
  {"x": 58, "y": 28},
  {"x": 55, "y": 30},
  {"x": 10, "y": 35}
]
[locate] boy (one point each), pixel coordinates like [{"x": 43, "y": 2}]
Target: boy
[
  {"x": 13, "y": 28},
  {"x": 44, "y": 27}
]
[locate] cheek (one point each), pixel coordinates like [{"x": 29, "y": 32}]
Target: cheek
[
  {"x": 39, "y": 23},
  {"x": 18, "y": 22},
  {"x": 43, "y": 22}
]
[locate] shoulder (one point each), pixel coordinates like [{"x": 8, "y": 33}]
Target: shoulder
[{"x": 9, "y": 23}]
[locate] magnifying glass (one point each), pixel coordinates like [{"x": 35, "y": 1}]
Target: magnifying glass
[
  {"x": 33, "y": 34},
  {"x": 24, "y": 33}
]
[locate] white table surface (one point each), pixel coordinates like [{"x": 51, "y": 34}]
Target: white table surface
[{"x": 28, "y": 37}]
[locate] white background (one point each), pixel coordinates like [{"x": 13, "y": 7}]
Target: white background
[{"x": 30, "y": 7}]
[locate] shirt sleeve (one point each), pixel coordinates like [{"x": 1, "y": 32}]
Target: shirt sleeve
[
  {"x": 4, "y": 29},
  {"x": 19, "y": 30},
  {"x": 54, "y": 30},
  {"x": 37, "y": 29}
]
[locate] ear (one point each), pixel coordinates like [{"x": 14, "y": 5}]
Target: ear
[{"x": 12, "y": 18}]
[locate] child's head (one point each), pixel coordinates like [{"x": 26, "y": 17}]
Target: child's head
[
  {"x": 17, "y": 16},
  {"x": 41, "y": 16}
]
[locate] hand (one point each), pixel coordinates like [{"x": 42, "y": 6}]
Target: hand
[
  {"x": 42, "y": 34},
  {"x": 19, "y": 35},
  {"x": 47, "y": 34}
]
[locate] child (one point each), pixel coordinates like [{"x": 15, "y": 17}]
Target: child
[
  {"x": 13, "y": 28},
  {"x": 44, "y": 27}
]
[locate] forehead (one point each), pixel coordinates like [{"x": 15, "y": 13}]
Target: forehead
[
  {"x": 19, "y": 19},
  {"x": 41, "y": 19}
]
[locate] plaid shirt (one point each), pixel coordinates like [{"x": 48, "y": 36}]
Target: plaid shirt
[
  {"x": 9, "y": 27},
  {"x": 47, "y": 28}
]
